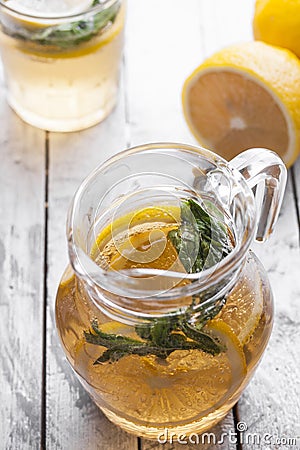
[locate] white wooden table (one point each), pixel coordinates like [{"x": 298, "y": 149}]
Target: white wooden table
[{"x": 42, "y": 404}]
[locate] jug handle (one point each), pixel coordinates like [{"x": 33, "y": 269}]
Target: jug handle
[{"x": 260, "y": 166}]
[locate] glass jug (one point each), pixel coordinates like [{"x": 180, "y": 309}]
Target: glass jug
[{"x": 160, "y": 341}]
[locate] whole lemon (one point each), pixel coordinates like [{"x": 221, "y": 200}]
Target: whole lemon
[{"x": 277, "y": 22}]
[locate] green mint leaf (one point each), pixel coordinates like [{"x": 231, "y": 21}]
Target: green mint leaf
[
  {"x": 161, "y": 346},
  {"x": 201, "y": 240},
  {"x": 98, "y": 337},
  {"x": 206, "y": 342}
]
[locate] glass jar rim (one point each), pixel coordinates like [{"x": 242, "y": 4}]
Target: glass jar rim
[
  {"x": 87, "y": 268},
  {"x": 59, "y": 19}
]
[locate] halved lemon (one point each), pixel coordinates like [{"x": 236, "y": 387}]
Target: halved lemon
[
  {"x": 186, "y": 386},
  {"x": 246, "y": 95}
]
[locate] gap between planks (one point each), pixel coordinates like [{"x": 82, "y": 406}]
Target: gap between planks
[
  {"x": 295, "y": 194},
  {"x": 45, "y": 296}
]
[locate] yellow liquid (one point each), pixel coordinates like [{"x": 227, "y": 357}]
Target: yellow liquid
[
  {"x": 64, "y": 90},
  {"x": 190, "y": 390}
]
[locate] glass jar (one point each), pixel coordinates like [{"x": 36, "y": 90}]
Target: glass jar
[
  {"x": 61, "y": 61},
  {"x": 116, "y": 322}
]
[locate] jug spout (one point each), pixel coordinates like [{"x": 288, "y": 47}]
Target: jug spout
[{"x": 266, "y": 175}]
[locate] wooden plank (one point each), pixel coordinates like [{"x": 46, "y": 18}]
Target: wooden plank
[
  {"x": 275, "y": 385},
  {"x": 276, "y": 380},
  {"x": 271, "y": 402},
  {"x": 157, "y": 64},
  {"x": 82, "y": 428},
  {"x": 163, "y": 46},
  {"x": 225, "y": 23},
  {"x": 21, "y": 280},
  {"x": 157, "y": 60},
  {"x": 295, "y": 172},
  {"x": 231, "y": 23},
  {"x": 72, "y": 419}
]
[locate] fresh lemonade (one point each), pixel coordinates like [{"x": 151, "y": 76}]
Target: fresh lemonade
[
  {"x": 61, "y": 60},
  {"x": 177, "y": 373}
]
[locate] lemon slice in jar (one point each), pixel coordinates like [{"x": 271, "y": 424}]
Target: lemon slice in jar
[
  {"x": 67, "y": 277},
  {"x": 86, "y": 354},
  {"x": 186, "y": 386},
  {"x": 244, "y": 305},
  {"x": 38, "y": 9},
  {"x": 32, "y": 15},
  {"x": 38, "y": 41},
  {"x": 167, "y": 214},
  {"x": 132, "y": 231}
]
